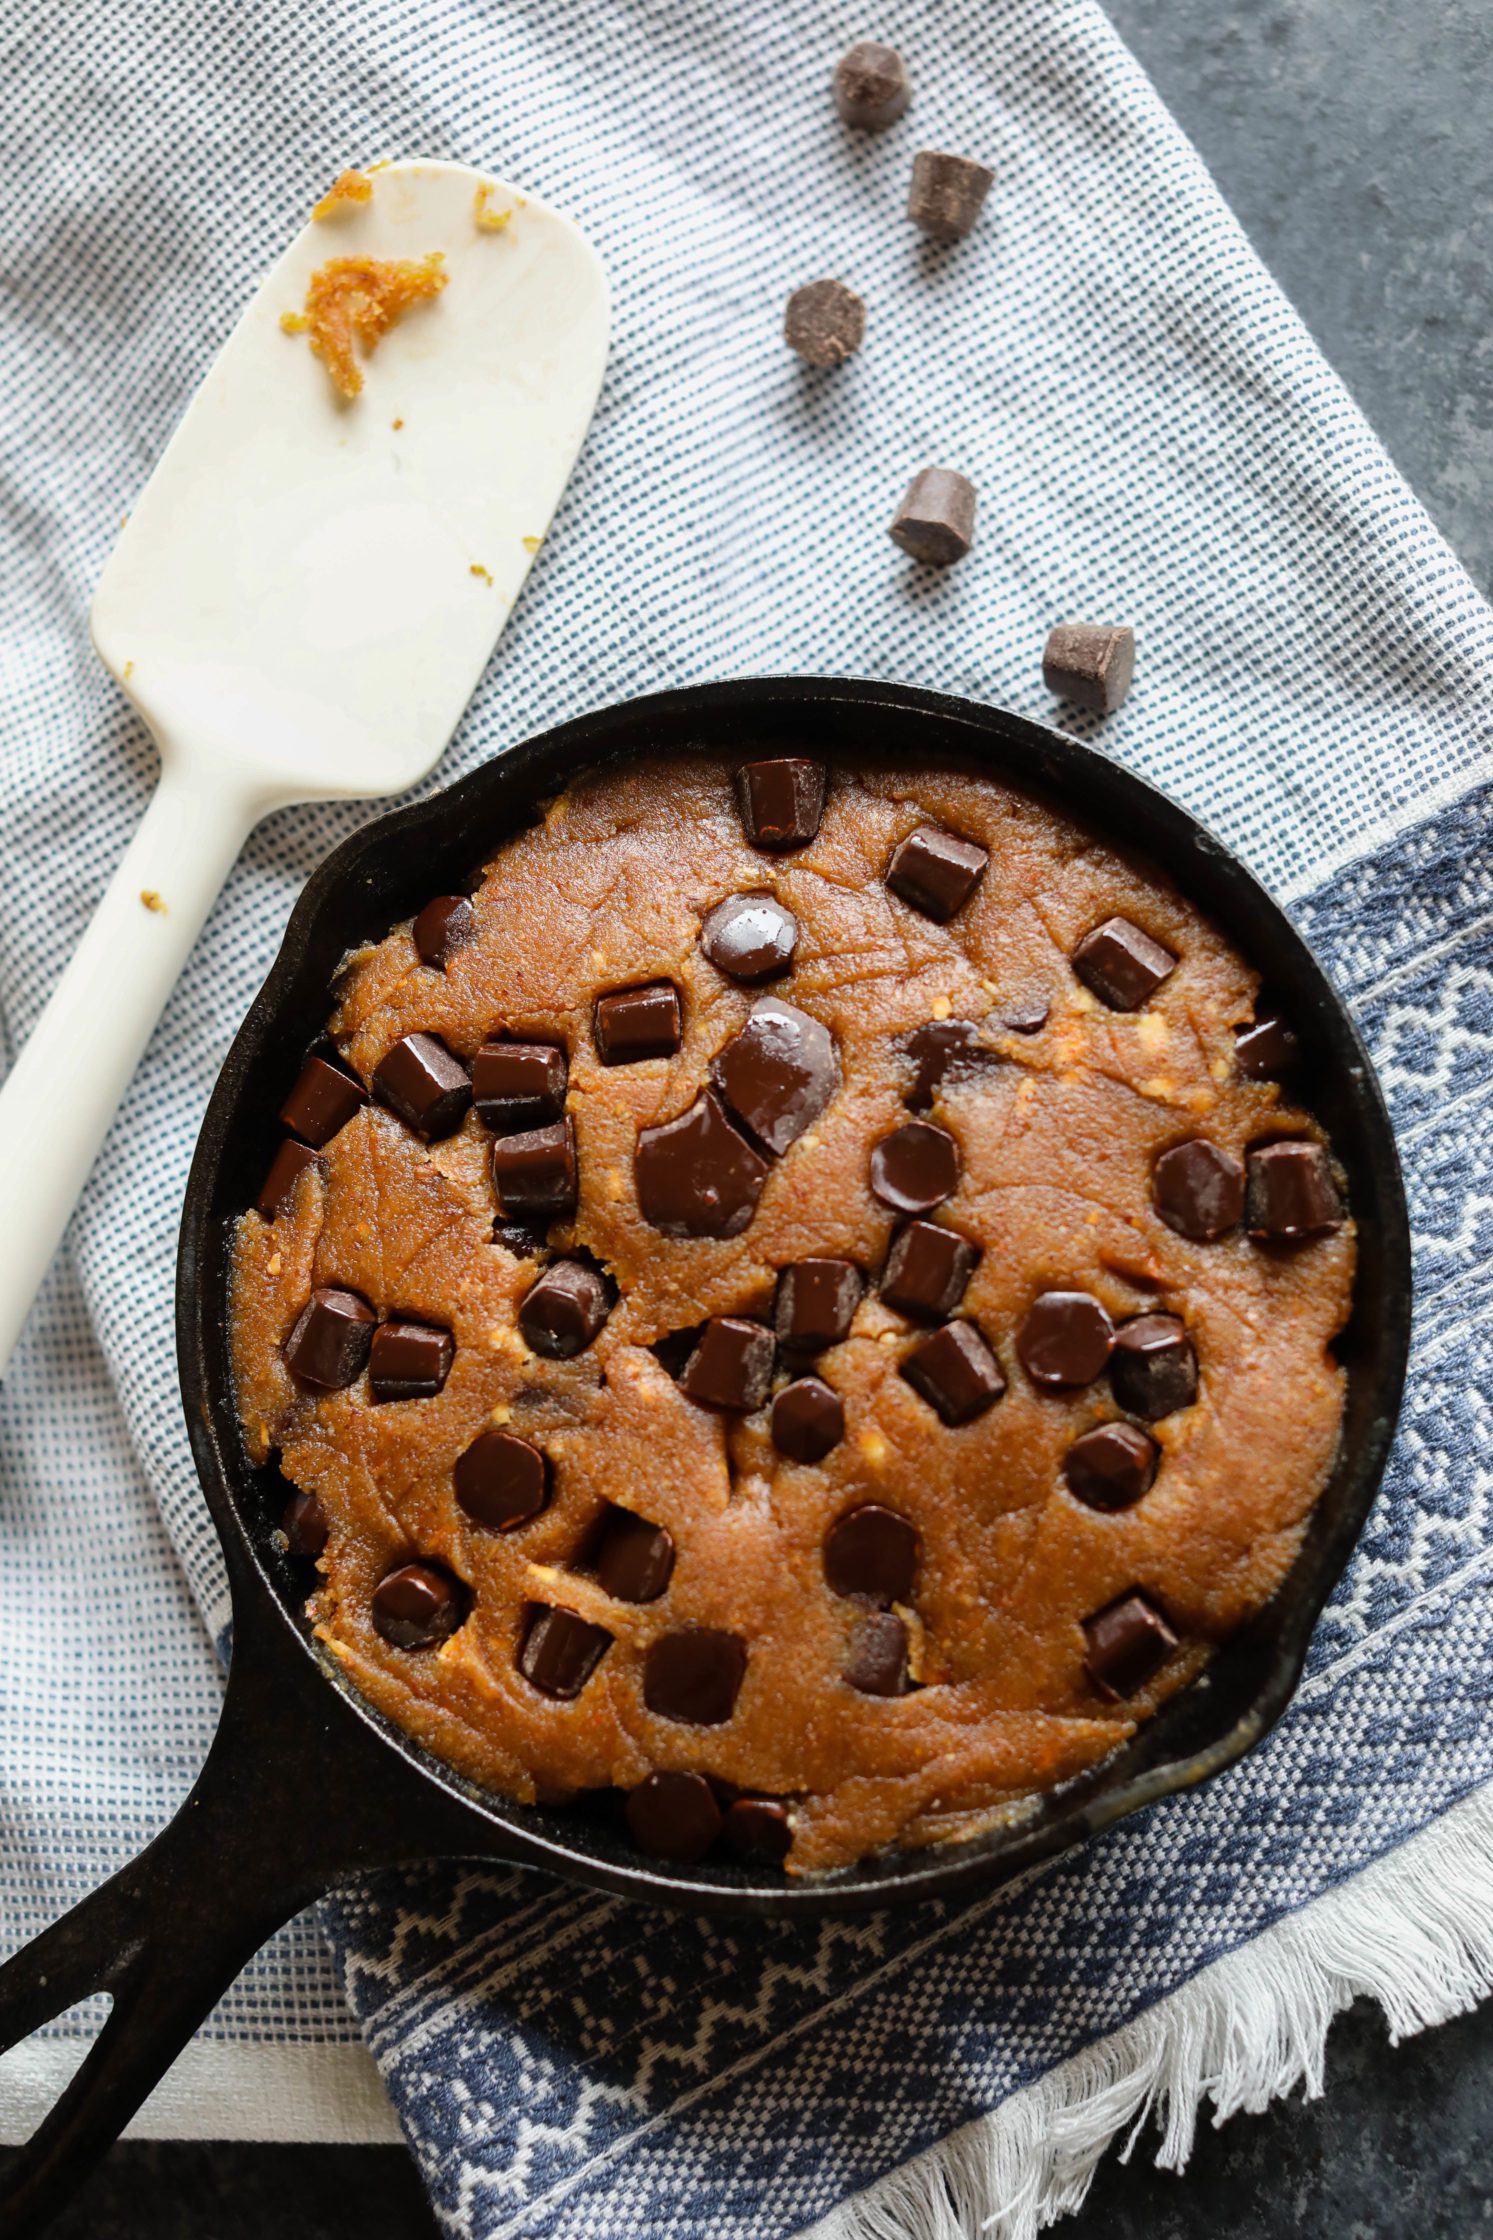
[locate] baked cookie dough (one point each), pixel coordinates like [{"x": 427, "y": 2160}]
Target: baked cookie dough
[{"x": 804, "y": 1299}]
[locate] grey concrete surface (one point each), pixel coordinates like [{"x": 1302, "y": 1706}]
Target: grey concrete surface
[{"x": 1351, "y": 138}]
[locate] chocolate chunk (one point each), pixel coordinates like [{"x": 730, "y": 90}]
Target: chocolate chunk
[
  {"x": 290, "y": 1163},
  {"x": 808, "y": 1420},
  {"x": 637, "y": 1023},
  {"x": 304, "y": 1525},
  {"x": 871, "y": 86},
  {"x": 565, "y": 1309},
  {"x": 927, "y": 1270},
  {"x": 674, "y": 1816},
  {"x": 519, "y": 1238},
  {"x": 1265, "y": 1049},
  {"x": 750, "y": 937},
  {"x": 1089, "y": 663},
  {"x": 916, "y": 1167},
  {"x": 428, "y": 1088},
  {"x": 816, "y": 1304},
  {"x": 409, "y": 1361},
  {"x": 781, "y": 801},
  {"x": 329, "y": 1344},
  {"x": 1025, "y": 1014},
  {"x": 1198, "y": 1190},
  {"x": 778, "y": 1073},
  {"x": 1122, "y": 965},
  {"x": 731, "y": 1366},
  {"x": 694, "y": 1676},
  {"x": 1153, "y": 1370},
  {"x": 935, "y": 522},
  {"x": 501, "y": 1481},
  {"x": 955, "y": 1372},
  {"x": 519, "y": 1085},
  {"x": 1292, "y": 1193},
  {"x": 418, "y": 1605},
  {"x": 535, "y": 1172},
  {"x": 323, "y": 1100},
  {"x": 825, "y": 322},
  {"x": 634, "y": 1559},
  {"x": 936, "y": 871},
  {"x": 945, "y": 1053},
  {"x": 561, "y": 1651},
  {"x": 697, "y": 1176},
  {"x": 1129, "y": 1642},
  {"x": 1065, "y": 1339},
  {"x": 1111, "y": 1466},
  {"x": 443, "y": 927},
  {"x": 878, "y": 1661},
  {"x": 947, "y": 193},
  {"x": 758, "y": 1829},
  {"x": 872, "y": 1554}
]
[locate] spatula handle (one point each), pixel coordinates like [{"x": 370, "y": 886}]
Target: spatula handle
[{"x": 60, "y": 1095}]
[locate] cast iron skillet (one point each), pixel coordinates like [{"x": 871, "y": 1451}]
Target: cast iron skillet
[{"x": 305, "y": 1784}]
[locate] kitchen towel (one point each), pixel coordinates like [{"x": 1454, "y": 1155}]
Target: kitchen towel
[{"x": 1155, "y": 439}]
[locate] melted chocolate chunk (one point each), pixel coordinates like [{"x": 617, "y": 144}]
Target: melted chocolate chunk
[
  {"x": 778, "y": 1073},
  {"x": 409, "y": 1361},
  {"x": 304, "y": 1525},
  {"x": 1111, "y": 1466},
  {"x": 637, "y": 1023},
  {"x": 731, "y": 1366},
  {"x": 329, "y": 1344},
  {"x": 290, "y": 1163},
  {"x": 871, "y": 86},
  {"x": 1292, "y": 1193},
  {"x": 927, "y": 1271},
  {"x": 535, "y": 1172},
  {"x": 872, "y": 1555},
  {"x": 634, "y": 1559},
  {"x": 501, "y": 1481},
  {"x": 1090, "y": 663},
  {"x": 443, "y": 927},
  {"x": 947, "y": 193},
  {"x": 323, "y": 1100},
  {"x": 428, "y": 1088},
  {"x": 1129, "y": 1642},
  {"x": 936, "y": 872},
  {"x": 782, "y": 800},
  {"x": 945, "y": 1053},
  {"x": 519, "y": 1237},
  {"x": 674, "y": 1816},
  {"x": 816, "y": 1304},
  {"x": 418, "y": 1605},
  {"x": 1065, "y": 1339},
  {"x": 758, "y": 1829},
  {"x": 697, "y": 1176},
  {"x": 1198, "y": 1190},
  {"x": 1153, "y": 1370},
  {"x": 750, "y": 937},
  {"x": 517, "y": 1085},
  {"x": 561, "y": 1651},
  {"x": 694, "y": 1676},
  {"x": 808, "y": 1420},
  {"x": 878, "y": 1661},
  {"x": 1123, "y": 966},
  {"x": 955, "y": 1372},
  {"x": 563, "y": 1312},
  {"x": 915, "y": 1168},
  {"x": 1265, "y": 1049}
]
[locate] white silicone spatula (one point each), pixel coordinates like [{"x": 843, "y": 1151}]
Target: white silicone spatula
[{"x": 303, "y": 597}]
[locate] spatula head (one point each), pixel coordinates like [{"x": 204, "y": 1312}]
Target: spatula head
[{"x": 309, "y": 587}]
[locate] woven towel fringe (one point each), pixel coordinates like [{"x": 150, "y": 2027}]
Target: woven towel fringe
[{"x": 1414, "y": 1931}]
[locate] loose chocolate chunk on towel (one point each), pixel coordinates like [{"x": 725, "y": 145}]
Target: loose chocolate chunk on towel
[
  {"x": 871, "y": 86},
  {"x": 935, "y": 522},
  {"x": 1089, "y": 663},
  {"x": 428, "y": 1088},
  {"x": 825, "y": 323},
  {"x": 947, "y": 193}
]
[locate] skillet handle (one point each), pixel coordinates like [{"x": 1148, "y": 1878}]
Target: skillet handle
[{"x": 295, "y": 1796}]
